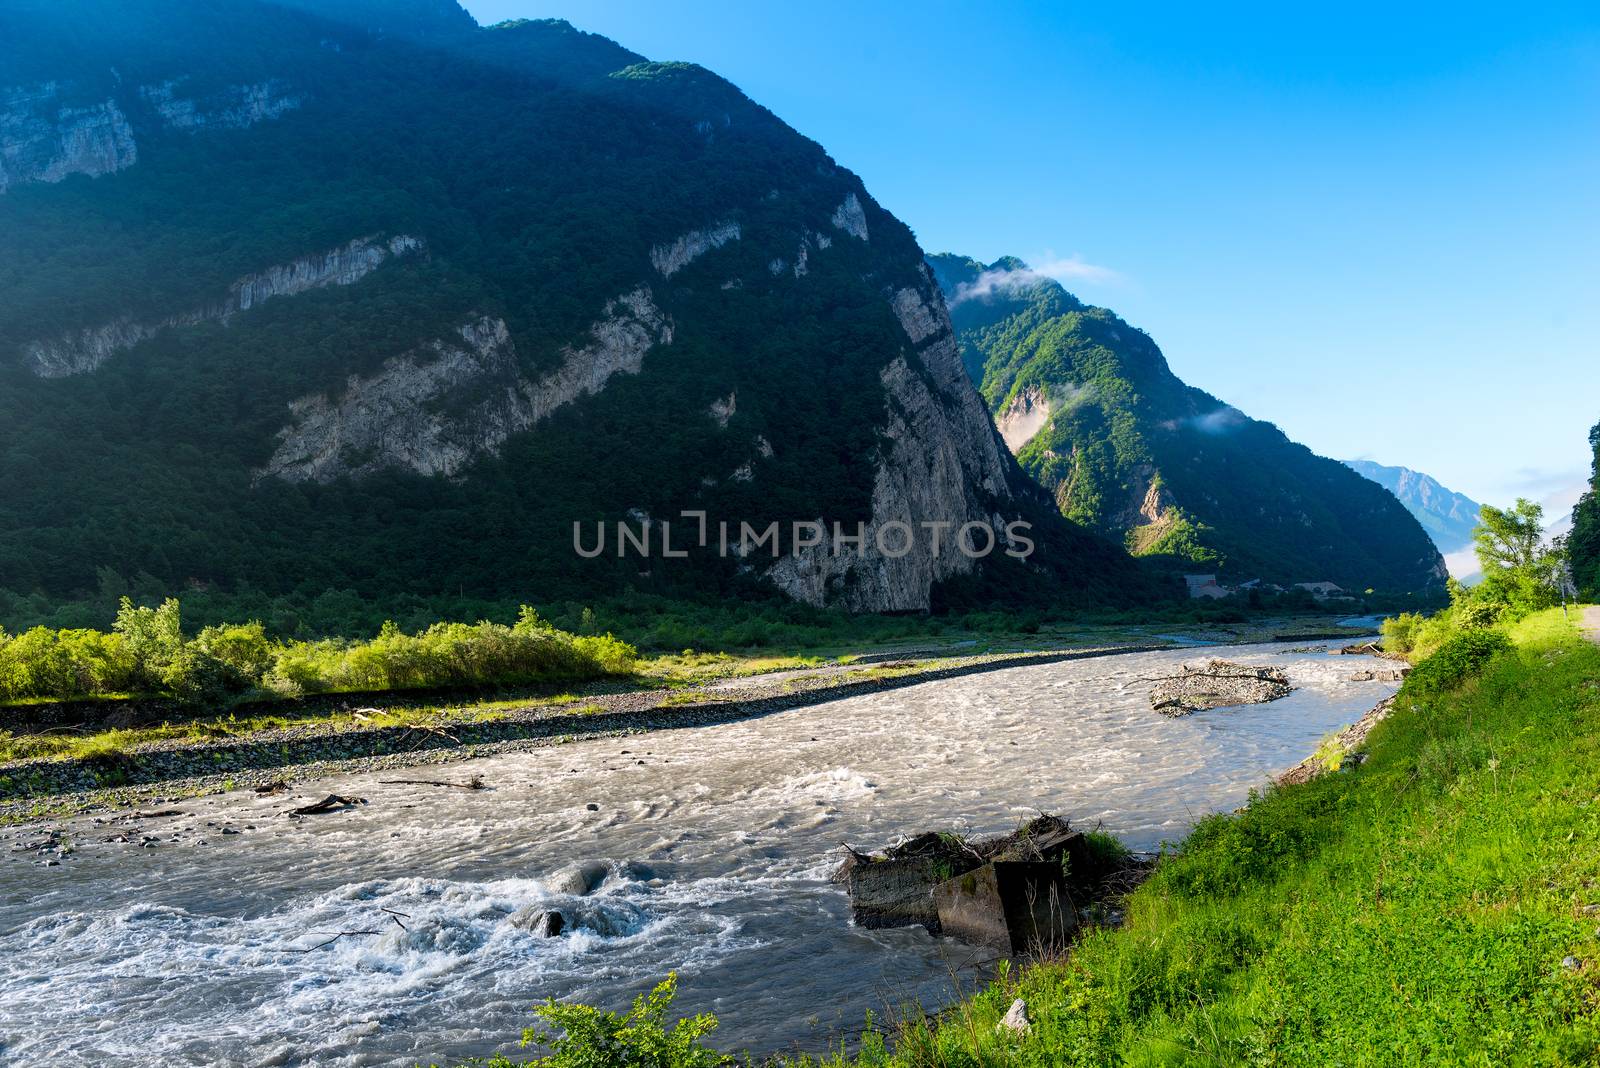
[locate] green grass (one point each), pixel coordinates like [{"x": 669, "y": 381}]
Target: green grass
[{"x": 1415, "y": 909}]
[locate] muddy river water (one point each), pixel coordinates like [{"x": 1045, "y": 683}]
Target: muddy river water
[{"x": 719, "y": 842}]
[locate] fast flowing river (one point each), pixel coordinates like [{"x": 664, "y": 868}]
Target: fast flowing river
[{"x": 719, "y": 840}]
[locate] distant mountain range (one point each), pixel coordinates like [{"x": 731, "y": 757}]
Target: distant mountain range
[
  {"x": 1446, "y": 515},
  {"x": 1090, "y": 408}
]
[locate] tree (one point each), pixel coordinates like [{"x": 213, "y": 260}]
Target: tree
[
  {"x": 1583, "y": 545},
  {"x": 1521, "y": 572},
  {"x": 1509, "y": 539}
]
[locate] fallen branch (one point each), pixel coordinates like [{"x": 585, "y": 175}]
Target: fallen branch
[
  {"x": 331, "y": 803},
  {"x": 474, "y": 783},
  {"x": 329, "y": 942},
  {"x": 154, "y": 814},
  {"x": 435, "y": 730},
  {"x": 395, "y": 915}
]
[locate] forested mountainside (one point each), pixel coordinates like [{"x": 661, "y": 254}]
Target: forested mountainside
[
  {"x": 1448, "y": 517},
  {"x": 1583, "y": 543},
  {"x": 1093, "y": 412},
  {"x": 347, "y": 294}
]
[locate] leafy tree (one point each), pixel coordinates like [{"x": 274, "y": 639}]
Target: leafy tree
[
  {"x": 1583, "y": 544},
  {"x": 1509, "y": 539}
]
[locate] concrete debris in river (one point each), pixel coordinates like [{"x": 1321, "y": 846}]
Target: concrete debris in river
[
  {"x": 1021, "y": 892},
  {"x": 1218, "y": 684}
]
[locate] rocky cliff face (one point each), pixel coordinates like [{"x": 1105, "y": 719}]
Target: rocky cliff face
[
  {"x": 674, "y": 256},
  {"x": 84, "y": 350},
  {"x": 435, "y": 410},
  {"x": 940, "y": 467},
  {"x": 233, "y": 108},
  {"x": 44, "y": 139}
]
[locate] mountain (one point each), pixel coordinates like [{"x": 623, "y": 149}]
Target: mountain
[
  {"x": 1093, "y": 412},
  {"x": 1583, "y": 542},
  {"x": 1447, "y": 516},
  {"x": 357, "y": 295}
]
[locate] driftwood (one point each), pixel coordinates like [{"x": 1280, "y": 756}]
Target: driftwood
[
  {"x": 154, "y": 814},
  {"x": 433, "y": 730},
  {"x": 329, "y": 942},
  {"x": 331, "y": 803},
  {"x": 474, "y": 783}
]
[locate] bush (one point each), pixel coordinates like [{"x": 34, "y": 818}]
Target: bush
[
  {"x": 154, "y": 638},
  {"x": 1453, "y": 663},
  {"x": 42, "y": 663},
  {"x": 147, "y": 652},
  {"x": 246, "y": 647},
  {"x": 583, "y": 1037},
  {"x": 1400, "y": 632}
]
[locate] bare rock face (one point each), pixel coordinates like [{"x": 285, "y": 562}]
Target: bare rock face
[
  {"x": 674, "y": 256},
  {"x": 43, "y": 139},
  {"x": 234, "y": 108},
  {"x": 851, "y": 217},
  {"x": 437, "y": 408},
  {"x": 338, "y": 267},
  {"x": 1024, "y": 417},
  {"x": 942, "y": 464},
  {"x": 82, "y": 351},
  {"x": 391, "y": 419},
  {"x": 1218, "y": 684}
]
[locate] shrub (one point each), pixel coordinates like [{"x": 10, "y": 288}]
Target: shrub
[
  {"x": 244, "y": 647},
  {"x": 147, "y": 651},
  {"x": 1400, "y": 632},
  {"x": 583, "y": 1037},
  {"x": 63, "y": 664},
  {"x": 154, "y": 638},
  {"x": 1460, "y": 658}
]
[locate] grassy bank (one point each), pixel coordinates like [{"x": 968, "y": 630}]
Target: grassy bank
[{"x": 1417, "y": 909}]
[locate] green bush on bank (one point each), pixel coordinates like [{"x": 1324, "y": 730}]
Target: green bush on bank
[{"x": 147, "y": 652}]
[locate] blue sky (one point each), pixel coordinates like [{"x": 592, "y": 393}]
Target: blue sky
[{"x": 1376, "y": 227}]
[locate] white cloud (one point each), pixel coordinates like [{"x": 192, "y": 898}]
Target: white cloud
[
  {"x": 1217, "y": 422},
  {"x": 1072, "y": 269}
]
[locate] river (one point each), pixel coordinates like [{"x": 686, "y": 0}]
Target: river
[{"x": 719, "y": 840}]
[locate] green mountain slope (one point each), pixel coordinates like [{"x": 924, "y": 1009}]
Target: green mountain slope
[
  {"x": 1093, "y": 412},
  {"x": 356, "y": 295},
  {"x": 1447, "y": 516}
]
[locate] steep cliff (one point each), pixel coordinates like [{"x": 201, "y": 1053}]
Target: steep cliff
[
  {"x": 43, "y": 138},
  {"x": 81, "y": 351},
  {"x": 1092, "y": 411},
  {"x": 389, "y": 303}
]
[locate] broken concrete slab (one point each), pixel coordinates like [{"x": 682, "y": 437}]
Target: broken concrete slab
[
  {"x": 1018, "y": 907},
  {"x": 895, "y": 888}
]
